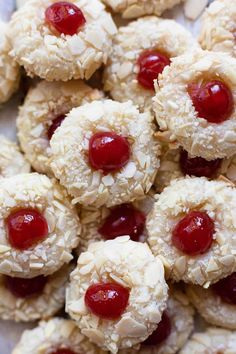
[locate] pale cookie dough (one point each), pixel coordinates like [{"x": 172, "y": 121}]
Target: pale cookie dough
[
  {"x": 211, "y": 307},
  {"x": 35, "y": 307},
  {"x": 70, "y": 144},
  {"x": 42, "y": 105},
  {"x": 20, "y": 3},
  {"x": 55, "y": 334},
  {"x": 9, "y": 70},
  {"x": 92, "y": 218},
  {"x": 176, "y": 114},
  {"x": 181, "y": 315},
  {"x": 61, "y": 57},
  {"x": 219, "y": 27},
  {"x": 47, "y": 196},
  {"x": 138, "y": 8},
  {"x": 12, "y": 162},
  {"x": 132, "y": 265},
  {"x": 120, "y": 77},
  {"x": 218, "y": 199},
  {"x": 212, "y": 341}
]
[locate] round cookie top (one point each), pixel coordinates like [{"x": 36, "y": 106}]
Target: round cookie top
[
  {"x": 218, "y": 27},
  {"x": 138, "y": 8},
  {"x": 39, "y": 226},
  {"x": 25, "y": 300},
  {"x": 140, "y": 52},
  {"x": 55, "y": 334},
  {"x": 9, "y": 70},
  {"x": 195, "y": 104},
  {"x": 217, "y": 304},
  {"x": 131, "y": 267},
  {"x": 71, "y": 50},
  {"x": 192, "y": 228},
  {"x": 43, "y": 111},
  {"x": 105, "y": 153},
  {"x": 213, "y": 340},
  {"x": 12, "y": 162}
]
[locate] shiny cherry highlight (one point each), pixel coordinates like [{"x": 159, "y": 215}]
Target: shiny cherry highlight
[
  {"x": 56, "y": 123},
  {"x": 107, "y": 300},
  {"x": 124, "y": 219},
  {"x": 193, "y": 235},
  {"x": 24, "y": 288},
  {"x": 65, "y": 17},
  {"x": 212, "y": 100},
  {"x": 108, "y": 152},
  {"x": 161, "y": 333},
  {"x": 26, "y": 228},
  {"x": 151, "y": 63},
  {"x": 226, "y": 289}
]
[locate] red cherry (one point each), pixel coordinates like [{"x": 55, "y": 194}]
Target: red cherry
[
  {"x": 26, "y": 227},
  {"x": 213, "y": 100},
  {"x": 194, "y": 233},
  {"x": 151, "y": 64},
  {"x": 161, "y": 333},
  {"x": 108, "y": 152},
  {"x": 65, "y": 17},
  {"x": 107, "y": 300},
  {"x": 197, "y": 166},
  {"x": 226, "y": 289},
  {"x": 26, "y": 287},
  {"x": 56, "y": 123},
  {"x": 62, "y": 351},
  {"x": 123, "y": 220}
]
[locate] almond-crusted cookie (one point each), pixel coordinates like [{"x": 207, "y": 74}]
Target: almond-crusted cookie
[
  {"x": 71, "y": 148},
  {"x": 138, "y": 8},
  {"x": 35, "y": 193},
  {"x": 9, "y": 69},
  {"x": 166, "y": 37},
  {"x": 42, "y": 302},
  {"x": 12, "y": 162},
  {"x": 176, "y": 113},
  {"x": 44, "y": 109},
  {"x": 217, "y": 199},
  {"x": 213, "y": 341},
  {"x": 53, "y": 335},
  {"x": 55, "y": 56},
  {"x": 218, "y": 27},
  {"x": 131, "y": 265}
]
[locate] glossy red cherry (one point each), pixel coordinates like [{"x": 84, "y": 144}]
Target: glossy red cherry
[
  {"x": 197, "y": 166},
  {"x": 107, "y": 300},
  {"x": 161, "y": 333},
  {"x": 226, "y": 289},
  {"x": 213, "y": 100},
  {"x": 123, "y": 220},
  {"x": 26, "y": 287},
  {"x": 65, "y": 17},
  {"x": 108, "y": 152},
  {"x": 56, "y": 123},
  {"x": 151, "y": 64},
  {"x": 26, "y": 228},
  {"x": 62, "y": 351},
  {"x": 193, "y": 234}
]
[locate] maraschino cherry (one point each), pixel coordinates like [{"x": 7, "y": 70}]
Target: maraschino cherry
[
  {"x": 26, "y": 228},
  {"x": 107, "y": 300},
  {"x": 197, "y": 166},
  {"x": 108, "y": 152},
  {"x": 62, "y": 351},
  {"x": 226, "y": 289},
  {"x": 212, "y": 100},
  {"x": 56, "y": 123},
  {"x": 161, "y": 333},
  {"x": 193, "y": 234},
  {"x": 124, "y": 219},
  {"x": 151, "y": 63},
  {"x": 24, "y": 288},
  {"x": 65, "y": 17}
]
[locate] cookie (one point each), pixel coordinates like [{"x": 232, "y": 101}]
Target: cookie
[
  {"x": 105, "y": 153},
  {"x": 130, "y": 271}
]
